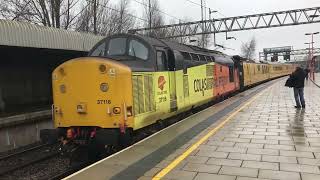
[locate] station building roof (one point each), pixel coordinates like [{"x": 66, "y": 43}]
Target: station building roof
[{"x": 22, "y": 34}]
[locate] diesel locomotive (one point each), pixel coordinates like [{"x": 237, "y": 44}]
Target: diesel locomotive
[{"x": 129, "y": 82}]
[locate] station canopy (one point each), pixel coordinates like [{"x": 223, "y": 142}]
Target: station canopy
[{"x": 22, "y": 34}]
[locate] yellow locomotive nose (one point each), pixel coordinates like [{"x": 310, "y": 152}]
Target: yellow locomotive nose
[{"x": 92, "y": 92}]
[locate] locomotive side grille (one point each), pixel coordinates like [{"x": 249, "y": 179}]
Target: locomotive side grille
[
  {"x": 150, "y": 88},
  {"x": 135, "y": 94},
  {"x": 185, "y": 86},
  {"x": 210, "y": 83},
  {"x": 147, "y": 93},
  {"x": 143, "y": 94},
  {"x": 209, "y": 70},
  {"x": 140, "y": 94}
]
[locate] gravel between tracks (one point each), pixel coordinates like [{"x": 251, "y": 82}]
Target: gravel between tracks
[{"x": 41, "y": 170}]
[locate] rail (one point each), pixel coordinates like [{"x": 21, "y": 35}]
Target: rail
[
  {"x": 26, "y": 158},
  {"x": 314, "y": 83}
]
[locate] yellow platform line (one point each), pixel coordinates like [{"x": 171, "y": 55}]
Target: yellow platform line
[{"x": 174, "y": 163}]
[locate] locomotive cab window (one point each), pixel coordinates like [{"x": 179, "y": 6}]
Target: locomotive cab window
[
  {"x": 137, "y": 49},
  {"x": 100, "y": 50},
  {"x": 117, "y": 46},
  {"x": 161, "y": 61}
]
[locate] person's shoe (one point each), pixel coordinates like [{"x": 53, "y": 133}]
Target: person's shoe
[{"x": 298, "y": 107}]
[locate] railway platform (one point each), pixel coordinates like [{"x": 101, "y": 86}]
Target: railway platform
[
  {"x": 20, "y": 130},
  {"x": 257, "y": 134}
]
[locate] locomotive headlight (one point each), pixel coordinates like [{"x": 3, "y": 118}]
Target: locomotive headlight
[
  {"x": 116, "y": 110},
  {"x": 104, "y": 87},
  {"x": 102, "y": 68}
]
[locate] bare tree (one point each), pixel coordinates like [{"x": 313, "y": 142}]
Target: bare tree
[
  {"x": 124, "y": 20},
  {"x": 52, "y": 13},
  {"x": 101, "y": 17},
  {"x": 248, "y": 49},
  {"x": 152, "y": 14},
  {"x": 206, "y": 41},
  {"x": 91, "y": 9},
  {"x": 177, "y": 31}
]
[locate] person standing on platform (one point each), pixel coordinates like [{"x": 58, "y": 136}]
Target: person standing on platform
[{"x": 298, "y": 77}]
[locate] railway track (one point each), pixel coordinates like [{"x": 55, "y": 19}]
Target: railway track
[
  {"x": 68, "y": 171},
  {"x": 11, "y": 154},
  {"x": 39, "y": 162},
  {"x": 27, "y": 157}
]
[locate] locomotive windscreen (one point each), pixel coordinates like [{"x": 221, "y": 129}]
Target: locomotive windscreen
[{"x": 117, "y": 47}]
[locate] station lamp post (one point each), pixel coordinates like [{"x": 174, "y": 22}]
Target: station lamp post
[
  {"x": 312, "y": 60},
  {"x": 309, "y": 55}
]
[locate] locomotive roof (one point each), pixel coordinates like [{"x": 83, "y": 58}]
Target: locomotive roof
[{"x": 219, "y": 56}]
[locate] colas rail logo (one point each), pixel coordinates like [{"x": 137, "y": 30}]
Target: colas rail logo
[{"x": 161, "y": 82}]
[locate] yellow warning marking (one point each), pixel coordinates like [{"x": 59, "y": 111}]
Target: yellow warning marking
[{"x": 174, "y": 163}]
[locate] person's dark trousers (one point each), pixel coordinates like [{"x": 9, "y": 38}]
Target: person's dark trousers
[{"x": 299, "y": 97}]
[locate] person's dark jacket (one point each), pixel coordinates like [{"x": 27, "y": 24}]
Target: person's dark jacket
[{"x": 298, "y": 78}]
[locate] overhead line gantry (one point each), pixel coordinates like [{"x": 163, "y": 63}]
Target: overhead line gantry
[{"x": 239, "y": 23}]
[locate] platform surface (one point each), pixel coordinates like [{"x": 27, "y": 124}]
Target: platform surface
[{"x": 255, "y": 135}]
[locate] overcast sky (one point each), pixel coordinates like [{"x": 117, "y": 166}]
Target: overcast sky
[{"x": 271, "y": 37}]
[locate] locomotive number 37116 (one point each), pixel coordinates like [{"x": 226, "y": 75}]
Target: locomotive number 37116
[{"x": 103, "y": 101}]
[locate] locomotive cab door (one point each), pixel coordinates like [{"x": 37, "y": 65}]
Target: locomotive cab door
[
  {"x": 172, "y": 80},
  {"x": 166, "y": 62}
]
